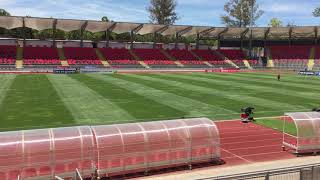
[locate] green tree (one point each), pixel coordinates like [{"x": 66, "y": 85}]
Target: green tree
[
  {"x": 275, "y": 22},
  {"x": 238, "y": 13},
  {"x": 163, "y": 11},
  {"x": 316, "y": 12},
  {"x": 4, "y": 13},
  {"x": 105, "y": 19}
]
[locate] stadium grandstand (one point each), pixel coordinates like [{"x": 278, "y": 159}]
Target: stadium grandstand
[{"x": 238, "y": 48}]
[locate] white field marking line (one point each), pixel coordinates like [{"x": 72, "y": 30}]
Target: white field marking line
[
  {"x": 273, "y": 117},
  {"x": 275, "y": 145},
  {"x": 269, "y": 139},
  {"x": 290, "y": 135},
  {"x": 251, "y": 136},
  {"x": 236, "y": 155},
  {"x": 238, "y": 130},
  {"x": 278, "y": 152}
]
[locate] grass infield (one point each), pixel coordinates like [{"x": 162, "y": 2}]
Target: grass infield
[{"x": 42, "y": 101}]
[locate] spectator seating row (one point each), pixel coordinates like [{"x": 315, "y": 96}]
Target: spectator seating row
[
  {"x": 233, "y": 54},
  {"x": 124, "y": 64},
  {"x": 159, "y": 62},
  {"x": 77, "y": 53},
  {"x": 181, "y": 54},
  {"x": 40, "y": 53},
  {"x": 150, "y": 54},
  {"x": 56, "y": 62},
  {"x": 6, "y": 61},
  {"x": 84, "y": 62},
  {"x": 290, "y": 52},
  {"x": 116, "y": 54},
  {"x": 207, "y": 55},
  {"x": 8, "y": 52}
]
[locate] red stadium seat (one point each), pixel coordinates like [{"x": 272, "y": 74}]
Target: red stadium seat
[
  {"x": 150, "y": 54},
  {"x": 8, "y": 55},
  {"x": 181, "y": 54}
]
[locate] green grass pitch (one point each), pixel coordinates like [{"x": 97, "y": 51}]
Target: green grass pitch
[{"x": 42, "y": 101}]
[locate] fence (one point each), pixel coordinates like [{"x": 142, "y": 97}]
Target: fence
[{"x": 306, "y": 172}]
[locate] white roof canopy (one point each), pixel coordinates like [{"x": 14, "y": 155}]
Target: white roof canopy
[
  {"x": 98, "y": 26},
  {"x": 150, "y": 28},
  {"x": 69, "y": 25},
  {"x": 11, "y": 22},
  {"x": 39, "y": 24}
]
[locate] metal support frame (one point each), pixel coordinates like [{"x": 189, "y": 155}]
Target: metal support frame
[
  {"x": 131, "y": 39},
  {"x": 204, "y": 32},
  {"x": 23, "y": 30},
  {"x": 132, "y": 34},
  {"x": 183, "y": 31},
  {"x": 82, "y": 29},
  {"x": 266, "y": 34},
  {"x": 159, "y": 31},
  {"x": 242, "y": 36},
  {"x": 154, "y": 40},
  {"x": 54, "y": 31},
  {"x": 197, "y": 40},
  {"x": 290, "y": 35},
  {"x": 221, "y": 35},
  {"x": 180, "y": 33},
  {"x": 316, "y": 35},
  {"x": 108, "y": 33},
  {"x": 176, "y": 41}
]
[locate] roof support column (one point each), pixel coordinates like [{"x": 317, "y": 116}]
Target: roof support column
[
  {"x": 220, "y": 35},
  {"x": 316, "y": 35},
  {"x": 54, "y": 31},
  {"x": 177, "y": 41},
  {"x": 108, "y": 34},
  {"x": 250, "y": 44},
  {"x": 265, "y": 42},
  {"x": 197, "y": 40},
  {"x": 154, "y": 40},
  {"x": 107, "y": 38},
  {"x": 242, "y": 36},
  {"x": 290, "y": 36},
  {"x": 24, "y": 32},
  {"x": 83, "y": 28},
  {"x": 131, "y": 39}
]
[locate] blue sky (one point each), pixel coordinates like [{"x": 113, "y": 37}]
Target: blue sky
[{"x": 191, "y": 12}]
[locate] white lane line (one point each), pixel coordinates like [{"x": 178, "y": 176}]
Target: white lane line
[{"x": 236, "y": 155}]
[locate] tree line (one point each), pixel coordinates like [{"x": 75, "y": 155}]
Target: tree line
[{"x": 238, "y": 13}]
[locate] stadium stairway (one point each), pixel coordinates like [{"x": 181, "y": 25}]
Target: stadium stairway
[
  {"x": 270, "y": 63},
  {"x": 62, "y": 57},
  {"x": 208, "y": 64},
  {"x": 19, "y": 58},
  {"x": 137, "y": 58},
  {"x": 228, "y": 61},
  {"x": 103, "y": 60},
  {"x": 247, "y": 64},
  {"x": 178, "y": 63},
  {"x": 144, "y": 64},
  {"x": 196, "y": 56},
  {"x": 311, "y": 59}
]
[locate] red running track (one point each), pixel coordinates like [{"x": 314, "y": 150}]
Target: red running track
[{"x": 250, "y": 143}]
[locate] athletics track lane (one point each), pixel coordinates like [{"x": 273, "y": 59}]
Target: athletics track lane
[{"x": 250, "y": 143}]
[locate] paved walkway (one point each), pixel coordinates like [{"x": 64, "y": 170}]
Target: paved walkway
[{"x": 223, "y": 171}]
